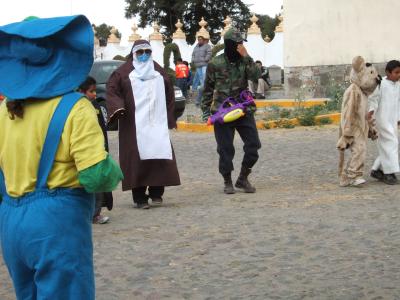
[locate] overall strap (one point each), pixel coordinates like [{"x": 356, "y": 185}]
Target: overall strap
[
  {"x": 53, "y": 137},
  {"x": 2, "y": 184}
]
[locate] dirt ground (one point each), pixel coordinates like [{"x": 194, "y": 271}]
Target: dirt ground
[{"x": 300, "y": 236}]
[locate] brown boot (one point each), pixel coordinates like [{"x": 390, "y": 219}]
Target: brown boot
[
  {"x": 243, "y": 183},
  {"x": 228, "y": 185}
]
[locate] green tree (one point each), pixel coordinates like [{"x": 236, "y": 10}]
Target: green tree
[
  {"x": 214, "y": 12},
  {"x": 103, "y": 32},
  {"x": 167, "y": 13},
  {"x": 267, "y": 25},
  {"x": 171, "y": 48},
  {"x": 118, "y": 34}
]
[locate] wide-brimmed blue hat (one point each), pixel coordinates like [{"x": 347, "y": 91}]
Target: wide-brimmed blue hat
[{"x": 44, "y": 58}]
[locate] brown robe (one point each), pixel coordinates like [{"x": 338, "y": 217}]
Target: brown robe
[{"x": 121, "y": 106}]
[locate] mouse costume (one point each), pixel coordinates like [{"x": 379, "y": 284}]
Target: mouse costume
[
  {"x": 52, "y": 158},
  {"x": 354, "y": 128}
]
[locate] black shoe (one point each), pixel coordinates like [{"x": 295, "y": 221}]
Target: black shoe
[
  {"x": 156, "y": 200},
  {"x": 228, "y": 185},
  {"x": 390, "y": 179},
  {"x": 377, "y": 174},
  {"x": 243, "y": 182},
  {"x": 144, "y": 205}
]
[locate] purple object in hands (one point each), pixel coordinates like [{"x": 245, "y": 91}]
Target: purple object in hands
[{"x": 230, "y": 104}]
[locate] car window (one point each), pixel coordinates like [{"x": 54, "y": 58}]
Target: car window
[{"x": 102, "y": 71}]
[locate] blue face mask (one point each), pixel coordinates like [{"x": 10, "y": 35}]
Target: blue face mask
[{"x": 144, "y": 57}]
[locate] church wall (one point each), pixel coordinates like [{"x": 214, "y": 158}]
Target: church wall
[{"x": 322, "y": 37}]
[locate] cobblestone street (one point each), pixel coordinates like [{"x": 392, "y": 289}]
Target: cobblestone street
[{"x": 300, "y": 236}]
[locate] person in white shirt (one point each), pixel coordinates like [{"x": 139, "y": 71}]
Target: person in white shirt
[{"x": 384, "y": 106}]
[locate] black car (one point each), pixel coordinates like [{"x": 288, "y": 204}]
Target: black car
[{"x": 101, "y": 71}]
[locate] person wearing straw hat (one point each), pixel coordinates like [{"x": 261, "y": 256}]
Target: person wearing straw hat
[{"x": 52, "y": 158}]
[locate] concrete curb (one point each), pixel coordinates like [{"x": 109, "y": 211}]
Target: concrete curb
[
  {"x": 290, "y": 103},
  {"x": 202, "y": 127},
  {"x": 194, "y": 127}
]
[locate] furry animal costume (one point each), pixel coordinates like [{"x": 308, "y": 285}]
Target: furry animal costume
[{"x": 354, "y": 128}]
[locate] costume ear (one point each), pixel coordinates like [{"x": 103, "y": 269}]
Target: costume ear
[{"x": 358, "y": 63}]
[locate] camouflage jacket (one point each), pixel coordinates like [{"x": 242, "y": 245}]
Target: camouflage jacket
[{"x": 225, "y": 79}]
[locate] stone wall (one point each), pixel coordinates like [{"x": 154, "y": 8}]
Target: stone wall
[
  {"x": 321, "y": 41},
  {"x": 269, "y": 52},
  {"x": 313, "y": 81},
  {"x": 327, "y": 32}
]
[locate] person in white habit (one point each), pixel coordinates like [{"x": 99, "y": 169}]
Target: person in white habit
[
  {"x": 140, "y": 96},
  {"x": 384, "y": 106}
]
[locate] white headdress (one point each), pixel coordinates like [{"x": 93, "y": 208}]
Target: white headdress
[{"x": 143, "y": 70}]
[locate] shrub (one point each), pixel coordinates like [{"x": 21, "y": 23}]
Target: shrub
[
  {"x": 325, "y": 121},
  {"x": 119, "y": 57},
  {"x": 284, "y": 123},
  {"x": 285, "y": 113},
  {"x": 288, "y": 125},
  {"x": 335, "y": 92},
  {"x": 307, "y": 119}
]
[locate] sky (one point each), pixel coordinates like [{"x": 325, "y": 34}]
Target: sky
[{"x": 111, "y": 12}]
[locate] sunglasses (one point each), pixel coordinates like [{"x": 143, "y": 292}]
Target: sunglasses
[{"x": 142, "y": 51}]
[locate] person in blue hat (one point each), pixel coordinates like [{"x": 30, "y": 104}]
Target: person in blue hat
[{"x": 52, "y": 158}]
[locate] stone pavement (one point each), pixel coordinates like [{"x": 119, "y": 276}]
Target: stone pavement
[{"x": 299, "y": 237}]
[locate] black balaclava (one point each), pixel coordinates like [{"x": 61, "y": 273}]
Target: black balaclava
[{"x": 231, "y": 51}]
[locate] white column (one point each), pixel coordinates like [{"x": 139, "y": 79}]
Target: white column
[
  {"x": 179, "y": 38},
  {"x": 255, "y": 45},
  {"x": 156, "y": 42}
]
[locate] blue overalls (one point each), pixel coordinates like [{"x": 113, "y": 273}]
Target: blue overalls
[{"x": 46, "y": 235}]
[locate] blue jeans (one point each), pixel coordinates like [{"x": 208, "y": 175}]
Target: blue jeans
[
  {"x": 46, "y": 239},
  {"x": 198, "y": 82},
  {"x": 182, "y": 84}
]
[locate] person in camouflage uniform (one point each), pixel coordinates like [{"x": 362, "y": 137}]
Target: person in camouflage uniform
[{"x": 227, "y": 76}]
